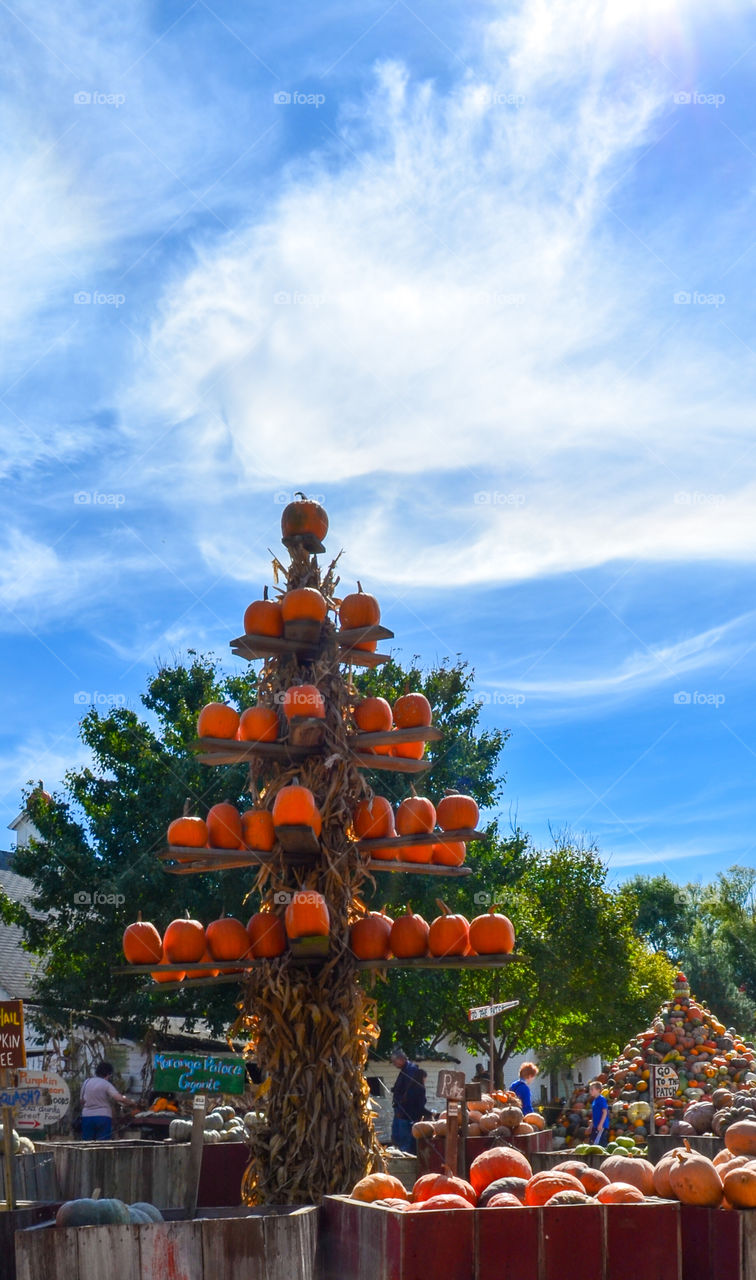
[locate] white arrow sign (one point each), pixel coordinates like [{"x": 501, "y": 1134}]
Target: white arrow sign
[{"x": 490, "y": 1010}]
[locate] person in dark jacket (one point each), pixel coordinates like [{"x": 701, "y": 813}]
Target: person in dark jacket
[{"x": 409, "y": 1101}]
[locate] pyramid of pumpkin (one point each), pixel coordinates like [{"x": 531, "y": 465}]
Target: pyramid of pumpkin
[
  {"x": 376, "y": 936},
  {"x": 375, "y": 819},
  {"x": 714, "y": 1066},
  {"x": 188, "y": 942},
  {"x": 226, "y": 829}
]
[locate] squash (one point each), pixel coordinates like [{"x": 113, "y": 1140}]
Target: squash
[
  {"x": 662, "y": 1170},
  {"x": 444, "y": 1183},
  {"x": 443, "y": 1202},
  {"x": 629, "y": 1169},
  {"x": 504, "y": 1200},
  {"x": 503, "y": 1186},
  {"x": 620, "y": 1193},
  {"x": 379, "y": 1186},
  {"x": 498, "y": 1162},
  {"x": 695, "y": 1180},
  {"x": 740, "y": 1187},
  {"x": 180, "y": 1130},
  {"x": 141, "y": 1212},
  {"x": 740, "y": 1138},
  {"x": 570, "y": 1196},
  {"x": 542, "y": 1186},
  {"x": 92, "y": 1213}
]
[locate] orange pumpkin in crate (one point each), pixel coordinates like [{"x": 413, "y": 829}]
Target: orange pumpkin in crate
[
  {"x": 217, "y": 720},
  {"x": 379, "y": 1186},
  {"x": 542, "y": 1186},
  {"x": 498, "y": 1162},
  {"x": 264, "y": 617},
  {"x": 444, "y": 1183},
  {"x": 620, "y": 1193}
]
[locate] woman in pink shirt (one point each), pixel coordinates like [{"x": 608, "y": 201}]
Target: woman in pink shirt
[{"x": 97, "y": 1098}]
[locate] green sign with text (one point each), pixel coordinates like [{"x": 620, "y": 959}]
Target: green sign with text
[{"x": 198, "y": 1073}]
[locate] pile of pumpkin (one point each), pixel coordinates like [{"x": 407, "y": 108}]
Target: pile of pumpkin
[
  {"x": 221, "y": 1125},
  {"x": 375, "y": 936},
  {"x": 189, "y": 942},
  {"x": 21, "y": 1146},
  {"x": 375, "y": 820},
  {"x": 497, "y": 1115},
  {"x": 628, "y": 1125},
  {"x": 713, "y": 1064},
  {"x": 502, "y": 1178}
]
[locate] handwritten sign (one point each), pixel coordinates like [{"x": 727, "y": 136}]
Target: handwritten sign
[
  {"x": 451, "y": 1084},
  {"x": 12, "y": 1047},
  {"x": 665, "y": 1081},
  {"x": 490, "y": 1010},
  {"x": 40, "y": 1097},
  {"x": 195, "y": 1073}
]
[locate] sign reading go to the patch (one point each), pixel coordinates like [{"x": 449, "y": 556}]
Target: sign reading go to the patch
[
  {"x": 40, "y": 1098},
  {"x": 665, "y": 1081},
  {"x": 12, "y": 1047},
  {"x": 198, "y": 1073}
]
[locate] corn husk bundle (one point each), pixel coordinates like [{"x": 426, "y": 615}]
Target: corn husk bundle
[{"x": 311, "y": 1027}]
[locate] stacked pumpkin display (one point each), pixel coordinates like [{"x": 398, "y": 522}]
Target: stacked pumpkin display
[
  {"x": 374, "y": 819},
  {"x": 716, "y": 1072},
  {"x": 375, "y": 936},
  {"x": 410, "y": 711}
]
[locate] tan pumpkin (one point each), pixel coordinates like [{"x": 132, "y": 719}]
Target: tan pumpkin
[
  {"x": 695, "y": 1180},
  {"x": 498, "y": 1162},
  {"x": 740, "y": 1187},
  {"x": 534, "y": 1120},
  {"x": 379, "y": 1186},
  {"x": 638, "y": 1173},
  {"x": 542, "y": 1186},
  {"x": 662, "y": 1170},
  {"x": 422, "y": 1129},
  {"x": 740, "y": 1138}
]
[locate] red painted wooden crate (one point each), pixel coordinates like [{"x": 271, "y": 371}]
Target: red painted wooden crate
[
  {"x": 643, "y": 1239},
  {"x": 572, "y": 1242},
  {"x": 506, "y": 1244},
  {"x": 362, "y": 1242},
  {"x": 717, "y": 1244}
]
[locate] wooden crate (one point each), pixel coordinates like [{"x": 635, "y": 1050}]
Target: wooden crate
[
  {"x": 157, "y": 1172},
  {"x": 718, "y": 1244},
  {"x": 259, "y": 1244},
  {"x": 361, "y": 1242},
  {"x": 34, "y": 1177},
  {"x": 25, "y": 1215}
]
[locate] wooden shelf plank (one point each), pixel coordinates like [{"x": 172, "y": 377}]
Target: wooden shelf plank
[
  {"x": 387, "y": 737},
  {"x": 252, "y": 646},
  {"x": 440, "y": 962},
  {"x": 349, "y": 636},
  {"x": 417, "y": 868},
  {"x": 363, "y": 658},
  {"x": 234, "y": 857},
  {"x": 392, "y": 764},
  {"x": 432, "y": 837},
  {"x": 197, "y": 965},
  {"x": 229, "y": 751}
]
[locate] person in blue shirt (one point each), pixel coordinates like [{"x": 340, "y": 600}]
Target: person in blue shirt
[
  {"x": 600, "y": 1109},
  {"x": 521, "y": 1086}
]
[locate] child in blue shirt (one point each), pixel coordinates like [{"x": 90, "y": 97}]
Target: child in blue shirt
[
  {"x": 600, "y": 1109},
  {"x": 528, "y": 1073}
]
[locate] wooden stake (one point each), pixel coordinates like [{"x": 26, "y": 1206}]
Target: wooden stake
[
  {"x": 195, "y": 1157},
  {"x": 452, "y": 1134}
]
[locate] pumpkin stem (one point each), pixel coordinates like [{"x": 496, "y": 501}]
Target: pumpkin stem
[
  {"x": 265, "y": 592},
  {"x": 187, "y": 804},
  {"x": 359, "y": 587},
  {"x": 443, "y": 907},
  {"x": 298, "y": 494}
]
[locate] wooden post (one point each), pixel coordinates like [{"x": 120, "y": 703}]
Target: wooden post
[
  {"x": 651, "y": 1098},
  {"x": 492, "y": 1072},
  {"x": 195, "y": 1157},
  {"x": 452, "y": 1134},
  {"x": 10, "y": 1188}
]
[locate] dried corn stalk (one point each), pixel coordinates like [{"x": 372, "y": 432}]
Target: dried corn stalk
[{"x": 312, "y": 1027}]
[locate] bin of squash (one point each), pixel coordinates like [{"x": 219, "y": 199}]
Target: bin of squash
[
  {"x": 495, "y": 1119},
  {"x": 504, "y": 1221}
]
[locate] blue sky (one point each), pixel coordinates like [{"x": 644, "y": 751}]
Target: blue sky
[{"x": 480, "y": 276}]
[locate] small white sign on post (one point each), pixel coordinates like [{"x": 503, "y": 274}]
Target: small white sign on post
[
  {"x": 40, "y": 1097},
  {"x": 490, "y": 1010}
]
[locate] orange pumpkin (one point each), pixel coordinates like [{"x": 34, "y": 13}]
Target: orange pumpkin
[
  {"x": 662, "y": 1169},
  {"x": 224, "y": 827},
  {"x": 359, "y": 610},
  {"x": 449, "y": 853},
  {"x": 542, "y": 1186},
  {"x": 449, "y": 935},
  {"x": 369, "y": 937},
  {"x": 498, "y": 1162},
  {"x": 304, "y": 517},
  {"x": 504, "y": 1200},
  {"x": 258, "y": 831},
  {"x": 307, "y": 916},
  {"x": 444, "y": 1183},
  {"x": 216, "y": 720},
  {"x": 620, "y": 1193},
  {"x": 740, "y": 1187},
  {"x": 639, "y": 1173},
  {"x": 227, "y": 939},
  {"x": 421, "y": 853},
  {"x": 457, "y": 813},
  {"x": 695, "y": 1180},
  {"x": 592, "y": 1179},
  {"x": 295, "y": 806},
  {"x": 142, "y": 943},
  {"x": 535, "y": 1120},
  {"x": 184, "y": 939},
  {"x": 415, "y": 816},
  {"x": 409, "y": 936},
  {"x": 303, "y": 604},
  {"x": 264, "y": 617},
  {"x": 388, "y": 853},
  {"x": 409, "y": 750},
  {"x": 412, "y": 711},
  {"x": 266, "y": 934},
  {"x": 443, "y": 1202},
  {"x": 258, "y": 724},
  {"x": 740, "y": 1138},
  {"x": 188, "y": 832},
  {"x": 373, "y": 819},
  {"x": 492, "y": 934},
  {"x": 303, "y": 700},
  {"x": 168, "y": 977},
  {"x": 373, "y": 715}
]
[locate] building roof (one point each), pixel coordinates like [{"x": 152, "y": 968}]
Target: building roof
[{"x": 17, "y": 967}]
